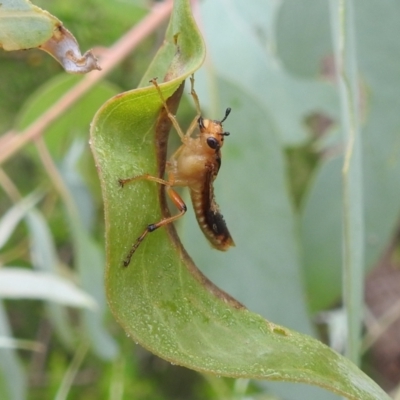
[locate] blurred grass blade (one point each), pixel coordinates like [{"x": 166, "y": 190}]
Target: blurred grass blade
[
  {"x": 70, "y": 374},
  {"x": 353, "y": 207},
  {"x": 13, "y": 216},
  {"x": 11, "y": 343},
  {"x": 75, "y": 183},
  {"x": 44, "y": 258},
  {"x": 12, "y": 376},
  {"x": 162, "y": 300},
  {"x": 20, "y": 283}
]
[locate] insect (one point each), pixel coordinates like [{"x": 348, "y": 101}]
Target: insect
[{"x": 195, "y": 164}]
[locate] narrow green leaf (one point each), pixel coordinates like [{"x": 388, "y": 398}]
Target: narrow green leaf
[{"x": 161, "y": 299}]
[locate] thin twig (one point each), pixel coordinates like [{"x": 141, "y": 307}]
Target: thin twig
[
  {"x": 377, "y": 327},
  {"x": 12, "y": 142},
  {"x": 9, "y": 187},
  {"x": 55, "y": 176}
]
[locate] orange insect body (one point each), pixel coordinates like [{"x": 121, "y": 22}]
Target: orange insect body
[{"x": 195, "y": 164}]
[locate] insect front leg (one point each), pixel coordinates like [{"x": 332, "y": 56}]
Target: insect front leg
[
  {"x": 195, "y": 97},
  {"x": 195, "y": 123},
  {"x": 174, "y": 196},
  {"x": 171, "y": 116}
]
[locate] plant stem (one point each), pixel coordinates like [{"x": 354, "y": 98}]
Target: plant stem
[{"x": 353, "y": 209}]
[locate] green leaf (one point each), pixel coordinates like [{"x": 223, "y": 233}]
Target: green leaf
[
  {"x": 161, "y": 299},
  {"x": 23, "y": 25}
]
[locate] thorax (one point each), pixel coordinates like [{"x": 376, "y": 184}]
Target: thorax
[{"x": 187, "y": 166}]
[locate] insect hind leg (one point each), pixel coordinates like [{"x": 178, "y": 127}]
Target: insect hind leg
[{"x": 176, "y": 199}]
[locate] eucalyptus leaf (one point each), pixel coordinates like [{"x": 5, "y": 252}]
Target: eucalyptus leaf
[
  {"x": 24, "y": 25},
  {"x": 161, "y": 299}
]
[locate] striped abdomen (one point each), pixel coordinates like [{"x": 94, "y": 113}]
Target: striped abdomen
[{"x": 208, "y": 216}]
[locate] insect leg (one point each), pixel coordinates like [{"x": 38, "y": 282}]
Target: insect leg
[
  {"x": 195, "y": 97},
  {"x": 179, "y": 203},
  {"x": 170, "y": 115},
  {"x": 195, "y": 123},
  {"x": 123, "y": 182}
]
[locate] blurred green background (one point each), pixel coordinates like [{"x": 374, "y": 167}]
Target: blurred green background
[{"x": 279, "y": 189}]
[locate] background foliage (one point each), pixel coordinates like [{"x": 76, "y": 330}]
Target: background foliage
[{"x": 279, "y": 187}]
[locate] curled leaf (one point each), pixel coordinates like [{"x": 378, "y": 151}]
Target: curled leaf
[
  {"x": 64, "y": 48},
  {"x": 25, "y": 26}
]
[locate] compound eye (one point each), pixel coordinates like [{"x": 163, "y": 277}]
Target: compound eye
[{"x": 212, "y": 142}]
